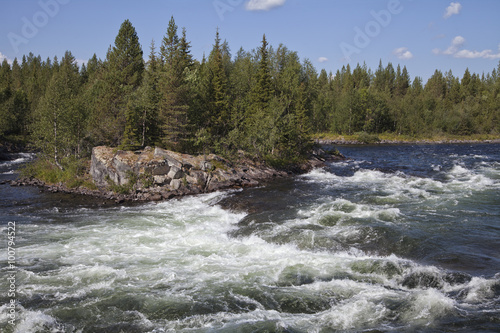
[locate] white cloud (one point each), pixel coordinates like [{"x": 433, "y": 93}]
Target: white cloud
[
  {"x": 322, "y": 59},
  {"x": 80, "y": 62},
  {"x": 263, "y": 4},
  {"x": 485, "y": 54},
  {"x": 403, "y": 53},
  {"x": 453, "y": 9},
  {"x": 456, "y": 44},
  {"x": 455, "y": 50},
  {"x": 2, "y": 57}
]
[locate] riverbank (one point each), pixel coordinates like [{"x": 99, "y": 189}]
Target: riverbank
[
  {"x": 387, "y": 138},
  {"x": 158, "y": 174},
  {"x": 9, "y": 146}
]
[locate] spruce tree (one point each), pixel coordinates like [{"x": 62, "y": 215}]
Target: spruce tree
[
  {"x": 239, "y": 87},
  {"x": 121, "y": 75},
  {"x": 218, "y": 98},
  {"x": 58, "y": 126},
  {"x": 6, "y": 92},
  {"x": 263, "y": 86},
  {"x": 148, "y": 96},
  {"x": 260, "y": 124},
  {"x": 173, "y": 105}
]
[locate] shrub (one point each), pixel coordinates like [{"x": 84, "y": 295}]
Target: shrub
[
  {"x": 366, "y": 138},
  {"x": 73, "y": 174}
]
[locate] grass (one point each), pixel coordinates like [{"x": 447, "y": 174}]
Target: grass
[
  {"x": 218, "y": 165},
  {"x": 438, "y": 137},
  {"x": 74, "y": 174}
]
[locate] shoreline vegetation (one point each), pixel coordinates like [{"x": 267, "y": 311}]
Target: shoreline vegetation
[
  {"x": 391, "y": 138},
  {"x": 77, "y": 178},
  {"x": 158, "y": 174},
  {"x": 267, "y": 102}
]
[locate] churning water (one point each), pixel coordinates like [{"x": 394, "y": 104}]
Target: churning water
[{"x": 398, "y": 239}]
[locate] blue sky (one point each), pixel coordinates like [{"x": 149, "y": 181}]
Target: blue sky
[{"x": 424, "y": 35}]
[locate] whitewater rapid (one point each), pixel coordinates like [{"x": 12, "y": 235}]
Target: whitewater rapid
[{"x": 345, "y": 249}]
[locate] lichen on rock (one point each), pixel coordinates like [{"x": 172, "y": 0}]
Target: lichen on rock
[{"x": 167, "y": 173}]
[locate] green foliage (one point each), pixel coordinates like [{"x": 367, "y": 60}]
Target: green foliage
[
  {"x": 59, "y": 120},
  {"x": 120, "y": 189},
  {"x": 111, "y": 118},
  {"x": 74, "y": 173},
  {"x": 219, "y": 165},
  {"x": 145, "y": 180},
  {"x": 366, "y": 138},
  {"x": 266, "y": 102},
  {"x": 173, "y": 90}
]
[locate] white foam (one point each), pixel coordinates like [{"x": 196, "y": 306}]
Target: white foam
[
  {"x": 343, "y": 210},
  {"x": 427, "y": 306},
  {"x": 461, "y": 178},
  {"x": 33, "y": 321},
  {"x": 479, "y": 290},
  {"x": 320, "y": 175},
  {"x": 24, "y": 157},
  {"x": 436, "y": 167},
  {"x": 458, "y": 170},
  {"x": 395, "y": 188},
  {"x": 354, "y": 314},
  {"x": 181, "y": 249}
]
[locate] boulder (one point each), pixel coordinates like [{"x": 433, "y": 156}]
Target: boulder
[
  {"x": 101, "y": 164},
  {"x": 175, "y": 173},
  {"x": 169, "y": 157},
  {"x": 161, "y": 170},
  {"x": 175, "y": 184},
  {"x": 161, "y": 180},
  {"x": 123, "y": 163}
]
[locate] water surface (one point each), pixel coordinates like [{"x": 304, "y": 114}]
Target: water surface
[{"x": 397, "y": 239}]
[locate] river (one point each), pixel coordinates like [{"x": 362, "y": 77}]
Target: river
[{"x": 402, "y": 238}]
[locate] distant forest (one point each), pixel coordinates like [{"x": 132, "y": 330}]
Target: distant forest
[{"x": 266, "y": 102}]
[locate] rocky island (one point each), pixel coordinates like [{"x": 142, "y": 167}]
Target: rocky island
[{"x": 155, "y": 174}]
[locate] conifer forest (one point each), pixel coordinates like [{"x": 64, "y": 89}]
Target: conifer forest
[{"x": 267, "y": 102}]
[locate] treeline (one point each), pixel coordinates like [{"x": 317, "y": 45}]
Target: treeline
[
  {"x": 266, "y": 102},
  {"x": 389, "y": 101}
]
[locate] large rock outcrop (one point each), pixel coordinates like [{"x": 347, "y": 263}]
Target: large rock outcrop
[{"x": 159, "y": 172}]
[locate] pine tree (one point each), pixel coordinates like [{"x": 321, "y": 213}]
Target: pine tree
[
  {"x": 185, "y": 57},
  {"x": 170, "y": 45}
]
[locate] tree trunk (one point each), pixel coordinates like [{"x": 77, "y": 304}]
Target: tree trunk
[{"x": 56, "y": 158}]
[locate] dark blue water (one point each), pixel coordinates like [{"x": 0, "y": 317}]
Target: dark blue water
[{"x": 396, "y": 239}]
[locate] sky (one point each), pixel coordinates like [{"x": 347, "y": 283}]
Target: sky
[{"x": 423, "y": 35}]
